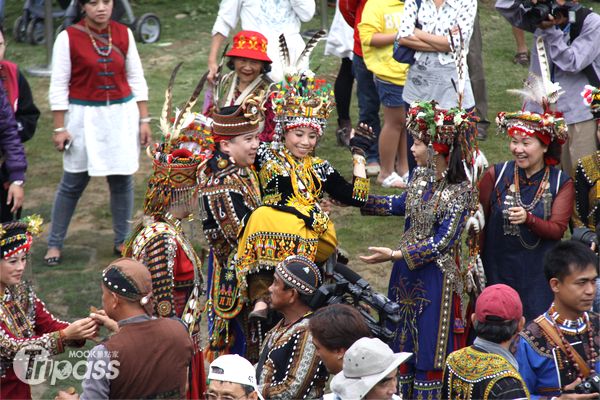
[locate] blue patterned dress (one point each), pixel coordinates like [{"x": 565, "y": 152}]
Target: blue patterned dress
[{"x": 427, "y": 282}]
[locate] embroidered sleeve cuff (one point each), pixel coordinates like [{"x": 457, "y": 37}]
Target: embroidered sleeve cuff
[
  {"x": 409, "y": 256},
  {"x": 377, "y": 205},
  {"x": 360, "y": 190}
]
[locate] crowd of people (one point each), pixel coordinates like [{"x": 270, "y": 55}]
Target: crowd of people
[{"x": 487, "y": 301}]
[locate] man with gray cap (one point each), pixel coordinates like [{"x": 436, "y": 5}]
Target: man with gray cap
[
  {"x": 288, "y": 366},
  {"x": 370, "y": 372},
  {"x": 231, "y": 377},
  {"x": 147, "y": 357}
]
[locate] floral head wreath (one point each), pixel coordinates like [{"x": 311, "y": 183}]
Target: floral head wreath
[
  {"x": 187, "y": 144},
  {"x": 548, "y": 127},
  {"x": 301, "y": 100},
  {"x": 433, "y": 125},
  {"x": 16, "y": 236},
  {"x": 591, "y": 98}
]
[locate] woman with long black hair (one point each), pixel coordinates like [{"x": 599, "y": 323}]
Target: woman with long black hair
[{"x": 426, "y": 278}]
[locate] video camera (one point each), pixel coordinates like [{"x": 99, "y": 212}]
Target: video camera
[
  {"x": 587, "y": 236},
  {"x": 542, "y": 9},
  {"x": 350, "y": 288}
]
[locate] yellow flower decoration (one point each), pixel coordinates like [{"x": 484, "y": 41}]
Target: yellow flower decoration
[{"x": 34, "y": 224}]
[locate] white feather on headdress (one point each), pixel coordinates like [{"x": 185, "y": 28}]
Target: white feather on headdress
[{"x": 539, "y": 91}]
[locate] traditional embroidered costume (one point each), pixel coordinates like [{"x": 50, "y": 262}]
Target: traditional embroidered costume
[
  {"x": 428, "y": 282},
  {"x": 587, "y": 174},
  {"x": 473, "y": 373},
  {"x": 511, "y": 253},
  {"x": 291, "y": 220},
  {"x": 228, "y": 193},
  {"x": 24, "y": 319},
  {"x": 158, "y": 241},
  {"x": 543, "y": 364},
  {"x": 289, "y": 366}
]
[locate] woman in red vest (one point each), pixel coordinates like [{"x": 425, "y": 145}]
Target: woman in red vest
[{"x": 98, "y": 98}]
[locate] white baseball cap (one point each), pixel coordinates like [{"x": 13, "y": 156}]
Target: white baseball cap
[{"x": 233, "y": 368}]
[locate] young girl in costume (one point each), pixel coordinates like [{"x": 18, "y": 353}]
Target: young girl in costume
[
  {"x": 24, "y": 319},
  {"x": 293, "y": 182},
  {"x": 426, "y": 277}
]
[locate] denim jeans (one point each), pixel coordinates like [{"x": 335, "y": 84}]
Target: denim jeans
[
  {"x": 368, "y": 103},
  {"x": 68, "y": 193}
]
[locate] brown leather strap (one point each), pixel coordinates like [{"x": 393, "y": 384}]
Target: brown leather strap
[
  {"x": 100, "y": 39},
  {"x": 550, "y": 330}
]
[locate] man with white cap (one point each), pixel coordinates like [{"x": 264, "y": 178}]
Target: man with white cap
[
  {"x": 370, "y": 372},
  {"x": 232, "y": 377}
]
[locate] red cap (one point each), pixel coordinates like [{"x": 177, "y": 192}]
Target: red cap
[
  {"x": 500, "y": 302},
  {"x": 249, "y": 44}
]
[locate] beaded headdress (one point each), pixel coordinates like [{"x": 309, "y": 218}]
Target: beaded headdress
[
  {"x": 16, "y": 236},
  {"x": 187, "y": 143},
  {"x": 548, "y": 127},
  {"x": 300, "y": 99},
  {"x": 129, "y": 278},
  {"x": 591, "y": 98},
  {"x": 299, "y": 273}
]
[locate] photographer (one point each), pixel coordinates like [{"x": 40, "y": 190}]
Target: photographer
[
  {"x": 559, "y": 352},
  {"x": 574, "y": 57}
]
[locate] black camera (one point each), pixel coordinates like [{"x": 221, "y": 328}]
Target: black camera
[
  {"x": 350, "y": 288},
  {"x": 542, "y": 9},
  {"x": 589, "y": 386},
  {"x": 586, "y": 236}
]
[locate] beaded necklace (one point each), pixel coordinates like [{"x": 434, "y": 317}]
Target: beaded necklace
[
  {"x": 590, "y": 354},
  {"x": 544, "y": 185},
  {"x": 96, "y": 48},
  {"x": 569, "y": 323},
  {"x": 302, "y": 173},
  {"x": 23, "y": 328}
]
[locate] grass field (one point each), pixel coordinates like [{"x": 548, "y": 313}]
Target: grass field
[{"x": 72, "y": 287}]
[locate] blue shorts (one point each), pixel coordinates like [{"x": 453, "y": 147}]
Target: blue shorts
[{"x": 390, "y": 95}]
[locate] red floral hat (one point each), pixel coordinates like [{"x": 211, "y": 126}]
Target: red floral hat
[{"x": 249, "y": 44}]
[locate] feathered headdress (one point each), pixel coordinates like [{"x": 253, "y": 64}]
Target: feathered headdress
[
  {"x": 301, "y": 99},
  {"x": 187, "y": 143},
  {"x": 548, "y": 126}
]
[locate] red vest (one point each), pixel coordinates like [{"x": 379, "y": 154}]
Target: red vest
[
  {"x": 10, "y": 80},
  {"x": 98, "y": 80}
]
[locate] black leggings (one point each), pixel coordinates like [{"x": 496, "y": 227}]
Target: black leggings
[{"x": 343, "y": 89}]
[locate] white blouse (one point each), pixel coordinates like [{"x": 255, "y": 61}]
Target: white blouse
[
  {"x": 439, "y": 21},
  {"x": 105, "y": 139}
]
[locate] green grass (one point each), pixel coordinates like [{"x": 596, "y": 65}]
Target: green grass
[{"x": 70, "y": 289}]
